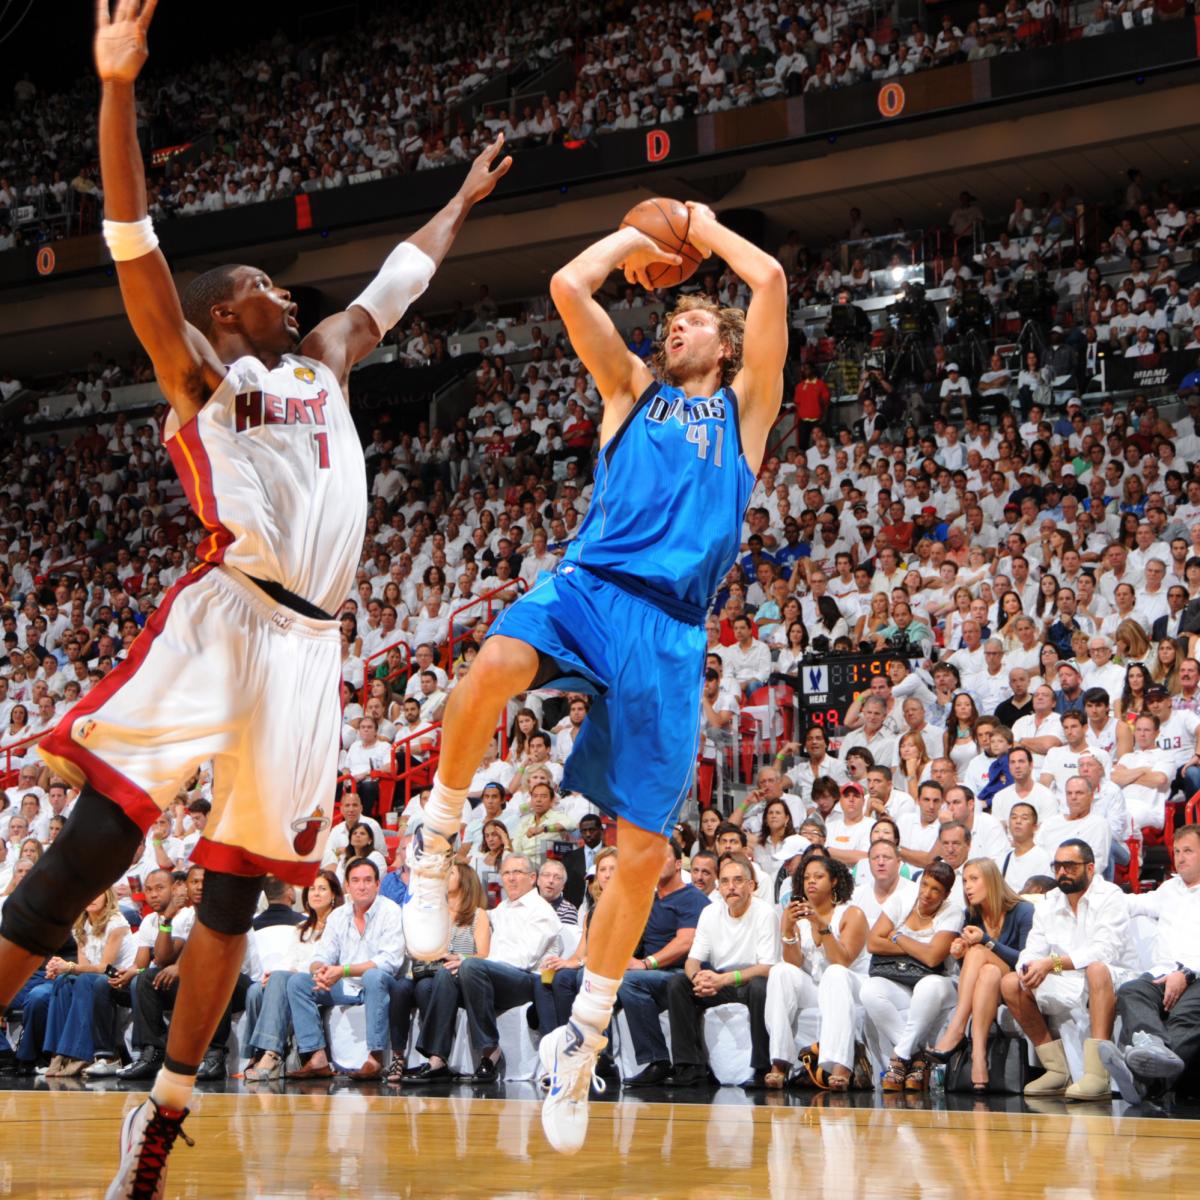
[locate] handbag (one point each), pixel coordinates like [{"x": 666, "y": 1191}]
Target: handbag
[
  {"x": 902, "y": 969},
  {"x": 421, "y": 969},
  {"x": 1007, "y": 1060}
]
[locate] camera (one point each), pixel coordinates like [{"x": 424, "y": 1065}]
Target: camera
[
  {"x": 843, "y": 321},
  {"x": 111, "y": 971}
]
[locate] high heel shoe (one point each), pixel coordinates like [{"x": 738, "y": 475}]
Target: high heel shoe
[{"x": 944, "y": 1056}]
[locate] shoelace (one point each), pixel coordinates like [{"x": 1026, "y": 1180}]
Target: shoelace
[
  {"x": 157, "y": 1139},
  {"x": 429, "y": 868},
  {"x": 576, "y": 1091}
]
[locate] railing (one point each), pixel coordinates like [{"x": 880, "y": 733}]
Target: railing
[
  {"x": 9, "y": 772},
  {"x": 519, "y": 584}
]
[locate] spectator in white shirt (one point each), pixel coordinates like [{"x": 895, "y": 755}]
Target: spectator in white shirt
[
  {"x": 1078, "y": 821},
  {"x": 525, "y": 930},
  {"x": 1026, "y": 858},
  {"x": 1160, "y": 1011},
  {"x": 339, "y": 835},
  {"x": 1079, "y": 953},
  {"x": 738, "y": 936},
  {"x": 1144, "y": 775},
  {"x": 366, "y": 755},
  {"x": 747, "y": 661}
]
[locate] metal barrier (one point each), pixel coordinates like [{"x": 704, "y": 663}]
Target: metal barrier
[{"x": 517, "y": 585}]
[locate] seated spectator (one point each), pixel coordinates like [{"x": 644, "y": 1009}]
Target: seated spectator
[
  {"x": 104, "y": 939},
  {"x": 903, "y": 1013},
  {"x": 494, "y": 845},
  {"x": 1077, "y": 955},
  {"x": 435, "y": 983},
  {"x": 1144, "y": 775},
  {"x": 552, "y": 879},
  {"x": 267, "y": 1010},
  {"x": 747, "y": 661},
  {"x": 339, "y": 835},
  {"x": 366, "y": 755},
  {"x": 1078, "y": 821},
  {"x": 545, "y": 824},
  {"x": 525, "y": 932},
  {"x": 824, "y": 964},
  {"x": 739, "y": 937},
  {"x": 993, "y": 936},
  {"x": 281, "y": 905},
  {"x": 361, "y": 845},
  {"x": 1160, "y": 1035},
  {"x": 358, "y": 961},
  {"x": 1026, "y": 858}
]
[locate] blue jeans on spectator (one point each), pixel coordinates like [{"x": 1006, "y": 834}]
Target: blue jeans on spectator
[
  {"x": 35, "y": 1007},
  {"x": 488, "y": 989},
  {"x": 1191, "y": 777},
  {"x": 269, "y": 1013},
  {"x": 643, "y": 996},
  {"x": 73, "y": 1005},
  {"x": 20, "y": 1001},
  {"x": 388, "y": 1002},
  {"x": 553, "y": 1002}
]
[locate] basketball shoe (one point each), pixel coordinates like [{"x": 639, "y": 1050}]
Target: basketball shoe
[
  {"x": 147, "y": 1135},
  {"x": 568, "y": 1057},
  {"x": 427, "y": 911}
]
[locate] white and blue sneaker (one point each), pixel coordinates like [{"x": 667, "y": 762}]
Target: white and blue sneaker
[
  {"x": 1149, "y": 1057},
  {"x": 147, "y": 1135},
  {"x": 568, "y": 1057},
  {"x": 427, "y": 911}
]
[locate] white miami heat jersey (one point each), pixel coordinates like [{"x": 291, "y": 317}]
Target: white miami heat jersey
[{"x": 273, "y": 467}]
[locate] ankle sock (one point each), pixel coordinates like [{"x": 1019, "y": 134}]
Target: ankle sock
[
  {"x": 594, "y": 1002},
  {"x": 443, "y": 809},
  {"x": 172, "y": 1089}
]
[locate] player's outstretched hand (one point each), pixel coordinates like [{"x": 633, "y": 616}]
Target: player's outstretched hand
[
  {"x": 120, "y": 42},
  {"x": 644, "y": 252},
  {"x": 485, "y": 172}
]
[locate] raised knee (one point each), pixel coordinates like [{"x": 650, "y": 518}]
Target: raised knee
[
  {"x": 989, "y": 971},
  {"x": 1098, "y": 977}
]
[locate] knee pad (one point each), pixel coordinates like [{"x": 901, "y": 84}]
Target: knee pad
[
  {"x": 229, "y": 902},
  {"x": 93, "y": 851}
]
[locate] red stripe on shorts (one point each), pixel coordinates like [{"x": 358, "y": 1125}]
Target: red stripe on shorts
[
  {"x": 59, "y": 743},
  {"x": 233, "y": 860}
]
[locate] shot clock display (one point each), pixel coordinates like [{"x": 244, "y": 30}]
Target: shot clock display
[{"x": 829, "y": 686}]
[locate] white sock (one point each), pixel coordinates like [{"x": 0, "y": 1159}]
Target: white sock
[
  {"x": 172, "y": 1090},
  {"x": 443, "y": 809},
  {"x": 594, "y": 1001}
]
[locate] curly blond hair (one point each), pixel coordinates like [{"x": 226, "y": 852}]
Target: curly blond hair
[{"x": 731, "y": 327}]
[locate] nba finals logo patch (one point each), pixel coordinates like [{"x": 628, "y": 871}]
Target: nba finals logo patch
[
  {"x": 85, "y": 730},
  {"x": 305, "y": 374},
  {"x": 306, "y": 830}
]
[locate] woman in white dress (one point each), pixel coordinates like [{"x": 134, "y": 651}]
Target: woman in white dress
[
  {"x": 824, "y": 964},
  {"x": 780, "y": 842}
]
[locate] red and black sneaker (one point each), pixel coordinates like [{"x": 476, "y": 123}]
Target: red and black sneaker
[{"x": 147, "y": 1135}]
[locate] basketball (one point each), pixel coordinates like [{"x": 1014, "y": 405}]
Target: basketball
[{"x": 667, "y": 222}]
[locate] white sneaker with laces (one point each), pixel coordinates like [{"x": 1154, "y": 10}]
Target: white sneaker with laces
[
  {"x": 568, "y": 1057},
  {"x": 147, "y": 1135},
  {"x": 102, "y": 1068},
  {"x": 1149, "y": 1057},
  {"x": 427, "y": 911},
  {"x": 1132, "y": 1090}
]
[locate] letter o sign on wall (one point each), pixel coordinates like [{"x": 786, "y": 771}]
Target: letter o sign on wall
[
  {"x": 45, "y": 260},
  {"x": 891, "y": 100}
]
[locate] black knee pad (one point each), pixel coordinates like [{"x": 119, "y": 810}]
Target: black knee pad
[
  {"x": 229, "y": 902},
  {"x": 93, "y": 851}
]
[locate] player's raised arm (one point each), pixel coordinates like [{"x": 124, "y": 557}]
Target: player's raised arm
[
  {"x": 619, "y": 374},
  {"x": 186, "y": 365},
  {"x": 348, "y": 337},
  {"x": 759, "y": 384}
]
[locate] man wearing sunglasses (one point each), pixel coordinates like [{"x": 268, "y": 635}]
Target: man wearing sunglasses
[{"x": 1080, "y": 951}]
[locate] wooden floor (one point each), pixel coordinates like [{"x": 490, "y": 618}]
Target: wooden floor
[{"x": 350, "y": 1144}]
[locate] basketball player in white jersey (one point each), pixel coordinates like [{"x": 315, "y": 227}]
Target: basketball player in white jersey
[{"x": 240, "y": 663}]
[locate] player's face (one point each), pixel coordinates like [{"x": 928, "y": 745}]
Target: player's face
[
  {"x": 693, "y": 345},
  {"x": 266, "y": 314}
]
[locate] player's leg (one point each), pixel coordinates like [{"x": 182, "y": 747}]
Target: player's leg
[
  {"x": 92, "y": 852},
  {"x": 504, "y": 667}
]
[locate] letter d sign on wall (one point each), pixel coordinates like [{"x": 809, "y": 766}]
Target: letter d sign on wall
[{"x": 658, "y": 145}]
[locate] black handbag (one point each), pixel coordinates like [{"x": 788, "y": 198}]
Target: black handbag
[
  {"x": 421, "y": 969},
  {"x": 1008, "y": 1065},
  {"x": 902, "y": 969}
]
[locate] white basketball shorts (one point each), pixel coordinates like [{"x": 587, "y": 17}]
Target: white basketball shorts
[{"x": 223, "y": 672}]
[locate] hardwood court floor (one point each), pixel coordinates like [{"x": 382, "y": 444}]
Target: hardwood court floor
[{"x": 356, "y": 1143}]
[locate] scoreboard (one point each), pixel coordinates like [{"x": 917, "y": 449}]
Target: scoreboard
[{"x": 828, "y": 686}]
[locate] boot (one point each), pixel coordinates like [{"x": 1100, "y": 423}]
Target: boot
[
  {"x": 1058, "y": 1075},
  {"x": 1096, "y": 1083}
]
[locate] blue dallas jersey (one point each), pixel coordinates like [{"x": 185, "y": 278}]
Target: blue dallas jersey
[{"x": 670, "y": 494}]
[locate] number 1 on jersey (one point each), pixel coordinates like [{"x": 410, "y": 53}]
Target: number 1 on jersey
[
  {"x": 322, "y": 440},
  {"x": 698, "y": 434}
]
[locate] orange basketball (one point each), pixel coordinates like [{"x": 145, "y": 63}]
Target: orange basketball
[{"x": 667, "y": 222}]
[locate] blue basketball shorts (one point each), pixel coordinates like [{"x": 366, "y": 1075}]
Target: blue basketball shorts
[{"x": 635, "y": 755}]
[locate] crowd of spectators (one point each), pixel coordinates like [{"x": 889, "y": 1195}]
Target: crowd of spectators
[
  {"x": 1034, "y": 581},
  {"x": 393, "y": 94}
]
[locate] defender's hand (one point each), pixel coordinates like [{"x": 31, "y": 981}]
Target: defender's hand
[
  {"x": 481, "y": 178},
  {"x": 120, "y": 42}
]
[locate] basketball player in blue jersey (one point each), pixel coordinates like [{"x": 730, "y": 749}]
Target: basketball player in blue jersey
[
  {"x": 240, "y": 663},
  {"x": 623, "y": 614}
]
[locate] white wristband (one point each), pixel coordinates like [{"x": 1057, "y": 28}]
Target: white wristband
[
  {"x": 130, "y": 239},
  {"x": 405, "y": 274}
]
